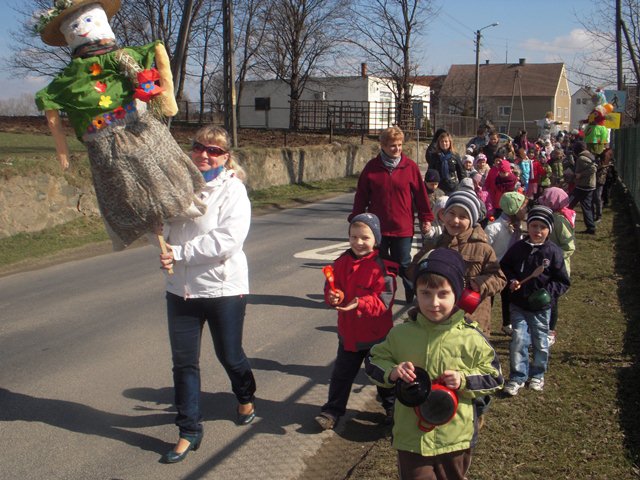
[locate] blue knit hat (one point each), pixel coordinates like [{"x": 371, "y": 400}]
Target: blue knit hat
[
  {"x": 371, "y": 221},
  {"x": 447, "y": 263}
]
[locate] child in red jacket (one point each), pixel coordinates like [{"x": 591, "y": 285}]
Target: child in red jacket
[{"x": 365, "y": 289}]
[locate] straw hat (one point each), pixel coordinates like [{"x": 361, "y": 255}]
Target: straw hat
[{"x": 49, "y": 23}]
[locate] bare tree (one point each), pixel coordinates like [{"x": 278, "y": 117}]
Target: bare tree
[
  {"x": 136, "y": 23},
  {"x": 385, "y": 31},
  {"x": 300, "y": 36},
  {"x": 252, "y": 18}
]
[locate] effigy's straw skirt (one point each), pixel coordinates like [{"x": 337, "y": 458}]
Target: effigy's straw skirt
[{"x": 141, "y": 176}]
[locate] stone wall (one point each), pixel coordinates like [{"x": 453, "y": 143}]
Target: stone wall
[{"x": 29, "y": 204}]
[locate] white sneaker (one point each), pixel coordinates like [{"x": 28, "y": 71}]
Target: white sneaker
[
  {"x": 512, "y": 387},
  {"x": 536, "y": 384}
]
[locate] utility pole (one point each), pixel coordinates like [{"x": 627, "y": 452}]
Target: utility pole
[
  {"x": 476, "y": 108},
  {"x": 230, "y": 120},
  {"x": 619, "y": 43}
]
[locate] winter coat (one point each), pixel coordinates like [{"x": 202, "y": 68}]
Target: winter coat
[
  {"x": 523, "y": 258},
  {"x": 603, "y": 173},
  {"x": 207, "y": 250},
  {"x": 373, "y": 281},
  {"x": 392, "y": 196},
  {"x": 563, "y": 235},
  {"x": 436, "y": 160},
  {"x": 454, "y": 344},
  {"x": 585, "y": 172},
  {"x": 490, "y": 151},
  {"x": 501, "y": 235},
  {"x": 482, "y": 266}
]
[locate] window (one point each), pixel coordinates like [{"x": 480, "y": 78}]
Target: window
[
  {"x": 578, "y": 101},
  {"x": 263, "y": 103},
  {"x": 558, "y": 112},
  {"x": 566, "y": 113},
  {"x": 504, "y": 111}
]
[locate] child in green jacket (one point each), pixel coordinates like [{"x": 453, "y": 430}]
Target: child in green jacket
[{"x": 453, "y": 351}]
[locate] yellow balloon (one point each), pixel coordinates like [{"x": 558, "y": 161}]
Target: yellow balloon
[{"x": 608, "y": 107}]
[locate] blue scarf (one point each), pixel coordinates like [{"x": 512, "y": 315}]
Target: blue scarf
[
  {"x": 213, "y": 173},
  {"x": 444, "y": 165}
]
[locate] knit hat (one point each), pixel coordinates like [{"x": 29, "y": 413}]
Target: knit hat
[
  {"x": 371, "y": 221},
  {"x": 432, "y": 175},
  {"x": 481, "y": 156},
  {"x": 447, "y": 263},
  {"x": 542, "y": 214},
  {"x": 467, "y": 158},
  {"x": 504, "y": 166},
  {"x": 467, "y": 200},
  {"x": 512, "y": 202},
  {"x": 466, "y": 184},
  {"x": 555, "y": 198}
]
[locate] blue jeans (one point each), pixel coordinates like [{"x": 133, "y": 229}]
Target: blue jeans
[
  {"x": 225, "y": 316},
  {"x": 398, "y": 249},
  {"x": 529, "y": 328}
]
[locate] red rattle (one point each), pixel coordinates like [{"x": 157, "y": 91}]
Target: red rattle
[
  {"x": 328, "y": 273},
  {"x": 469, "y": 300}
]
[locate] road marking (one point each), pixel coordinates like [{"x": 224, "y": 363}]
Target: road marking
[{"x": 329, "y": 253}]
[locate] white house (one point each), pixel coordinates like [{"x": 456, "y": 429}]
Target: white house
[
  {"x": 581, "y": 106},
  {"x": 355, "y": 102}
]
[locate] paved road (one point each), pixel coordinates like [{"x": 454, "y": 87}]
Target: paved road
[{"x": 85, "y": 372}]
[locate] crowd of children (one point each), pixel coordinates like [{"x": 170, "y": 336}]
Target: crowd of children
[{"x": 503, "y": 224}]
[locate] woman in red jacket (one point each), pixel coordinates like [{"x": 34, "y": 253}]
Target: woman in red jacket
[{"x": 391, "y": 187}]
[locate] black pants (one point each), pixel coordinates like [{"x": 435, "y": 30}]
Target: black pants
[
  {"x": 585, "y": 198},
  {"x": 345, "y": 369}
]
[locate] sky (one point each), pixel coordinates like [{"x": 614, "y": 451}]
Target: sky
[{"x": 543, "y": 31}]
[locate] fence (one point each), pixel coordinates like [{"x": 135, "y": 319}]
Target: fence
[
  {"x": 626, "y": 143},
  {"x": 313, "y": 115},
  {"x": 457, "y": 125}
]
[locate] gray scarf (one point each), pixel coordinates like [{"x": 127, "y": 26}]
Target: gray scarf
[{"x": 389, "y": 162}]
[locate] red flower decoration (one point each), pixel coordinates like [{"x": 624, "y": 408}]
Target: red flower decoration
[
  {"x": 100, "y": 87},
  {"x": 119, "y": 112},
  {"x": 148, "y": 88},
  {"x": 95, "y": 69}
]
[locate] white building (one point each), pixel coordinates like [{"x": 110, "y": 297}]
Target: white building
[
  {"x": 581, "y": 105},
  {"x": 358, "y": 102}
]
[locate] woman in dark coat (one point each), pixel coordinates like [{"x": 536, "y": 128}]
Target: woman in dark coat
[{"x": 446, "y": 162}]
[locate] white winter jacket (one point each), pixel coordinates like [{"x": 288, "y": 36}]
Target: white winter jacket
[
  {"x": 209, "y": 261},
  {"x": 500, "y": 235}
]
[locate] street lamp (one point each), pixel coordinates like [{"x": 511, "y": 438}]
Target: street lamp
[{"x": 477, "y": 95}]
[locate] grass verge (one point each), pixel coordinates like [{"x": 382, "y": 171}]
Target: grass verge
[{"x": 585, "y": 423}]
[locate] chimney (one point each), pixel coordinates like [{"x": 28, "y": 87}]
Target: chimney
[
  {"x": 363, "y": 69},
  {"x": 486, "y": 62},
  {"x": 522, "y": 61}
]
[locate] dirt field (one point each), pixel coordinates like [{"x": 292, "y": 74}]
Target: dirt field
[{"x": 184, "y": 133}]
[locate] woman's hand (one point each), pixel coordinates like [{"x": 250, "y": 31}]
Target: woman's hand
[
  {"x": 404, "y": 371},
  {"x": 451, "y": 379},
  {"x": 514, "y": 285},
  {"x": 352, "y": 305},
  {"x": 166, "y": 259}
]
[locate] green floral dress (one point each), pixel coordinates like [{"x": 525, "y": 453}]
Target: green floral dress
[{"x": 140, "y": 174}]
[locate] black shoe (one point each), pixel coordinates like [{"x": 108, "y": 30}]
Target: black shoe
[
  {"x": 388, "y": 417},
  {"x": 326, "y": 421},
  {"x": 194, "y": 444},
  {"x": 246, "y": 419},
  {"x": 589, "y": 231}
]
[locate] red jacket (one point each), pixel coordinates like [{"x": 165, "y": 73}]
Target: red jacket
[
  {"x": 391, "y": 196},
  {"x": 373, "y": 281}
]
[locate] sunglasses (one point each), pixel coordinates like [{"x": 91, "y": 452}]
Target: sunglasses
[{"x": 212, "y": 151}]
